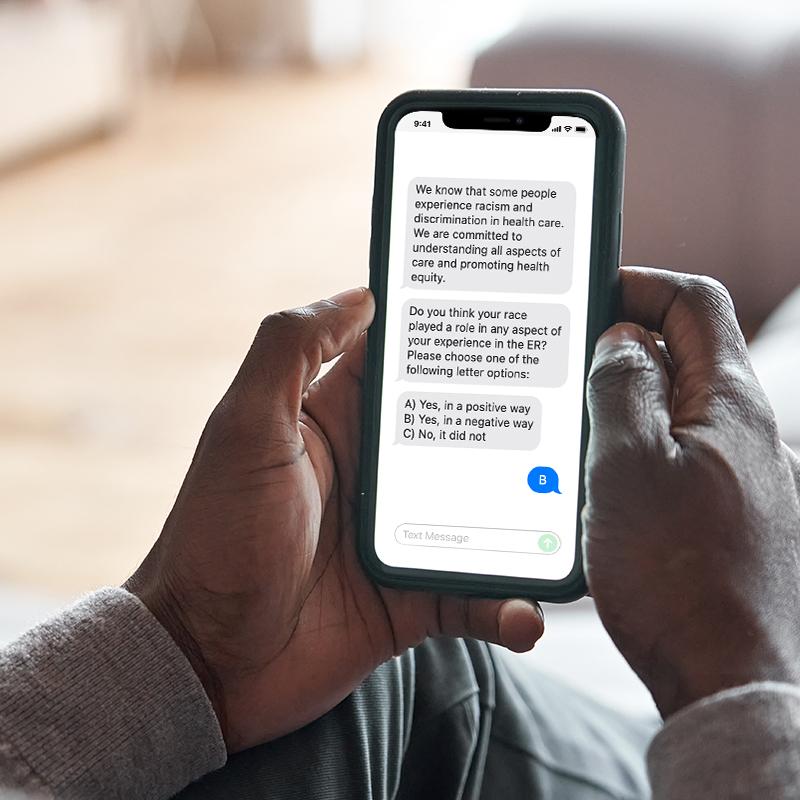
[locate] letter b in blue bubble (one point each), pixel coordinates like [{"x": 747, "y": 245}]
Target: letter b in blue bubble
[{"x": 543, "y": 480}]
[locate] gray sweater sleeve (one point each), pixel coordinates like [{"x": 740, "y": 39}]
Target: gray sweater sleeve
[
  {"x": 740, "y": 743},
  {"x": 99, "y": 702}
]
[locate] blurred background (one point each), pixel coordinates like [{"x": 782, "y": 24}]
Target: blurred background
[{"x": 170, "y": 172}]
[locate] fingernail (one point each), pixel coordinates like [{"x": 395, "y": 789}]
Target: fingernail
[
  {"x": 533, "y": 604},
  {"x": 350, "y": 297},
  {"x": 620, "y": 334}
]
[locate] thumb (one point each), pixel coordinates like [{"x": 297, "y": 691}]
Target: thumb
[
  {"x": 291, "y": 346},
  {"x": 516, "y": 623},
  {"x": 628, "y": 394}
]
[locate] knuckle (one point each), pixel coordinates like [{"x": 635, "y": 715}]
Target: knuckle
[
  {"x": 706, "y": 290},
  {"x": 283, "y": 323},
  {"x": 619, "y": 366},
  {"x": 303, "y": 332},
  {"x": 283, "y": 338}
]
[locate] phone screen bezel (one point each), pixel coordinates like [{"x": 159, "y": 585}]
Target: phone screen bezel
[{"x": 609, "y": 128}]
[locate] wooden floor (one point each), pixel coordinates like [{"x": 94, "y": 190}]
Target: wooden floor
[{"x": 133, "y": 274}]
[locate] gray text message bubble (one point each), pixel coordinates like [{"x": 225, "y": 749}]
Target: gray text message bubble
[
  {"x": 490, "y": 422},
  {"x": 490, "y": 235},
  {"x": 465, "y": 341}
]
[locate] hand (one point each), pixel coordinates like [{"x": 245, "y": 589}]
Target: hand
[
  {"x": 692, "y": 520},
  {"x": 255, "y": 574}
]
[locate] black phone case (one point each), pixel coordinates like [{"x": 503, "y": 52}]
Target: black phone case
[{"x": 607, "y": 121}]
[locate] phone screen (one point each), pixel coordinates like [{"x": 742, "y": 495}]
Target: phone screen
[{"x": 483, "y": 365}]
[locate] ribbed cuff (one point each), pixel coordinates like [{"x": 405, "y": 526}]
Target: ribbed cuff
[
  {"x": 99, "y": 702},
  {"x": 740, "y": 743}
]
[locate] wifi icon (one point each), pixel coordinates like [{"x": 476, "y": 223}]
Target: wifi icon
[{"x": 568, "y": 128}]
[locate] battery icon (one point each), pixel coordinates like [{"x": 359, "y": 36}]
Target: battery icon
[{"x": 580, "y": 129}]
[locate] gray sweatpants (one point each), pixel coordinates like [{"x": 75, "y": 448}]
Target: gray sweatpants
[{"x": 450, "y": 719}]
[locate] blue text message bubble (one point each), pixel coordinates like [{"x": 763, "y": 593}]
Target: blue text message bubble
[{"x": 543, "y": 480}]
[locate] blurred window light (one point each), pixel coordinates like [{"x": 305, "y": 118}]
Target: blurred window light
[{"x": 450, "y": 26}]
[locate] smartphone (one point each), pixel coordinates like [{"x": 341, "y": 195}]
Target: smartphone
[{"x": 495, "y": 245}]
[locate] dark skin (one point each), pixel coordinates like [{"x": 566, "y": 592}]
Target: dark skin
[
  {"x": 692, "y": 517},
  {"x": 255, "y": 574},
  {"x": 692, "y": 520}
]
